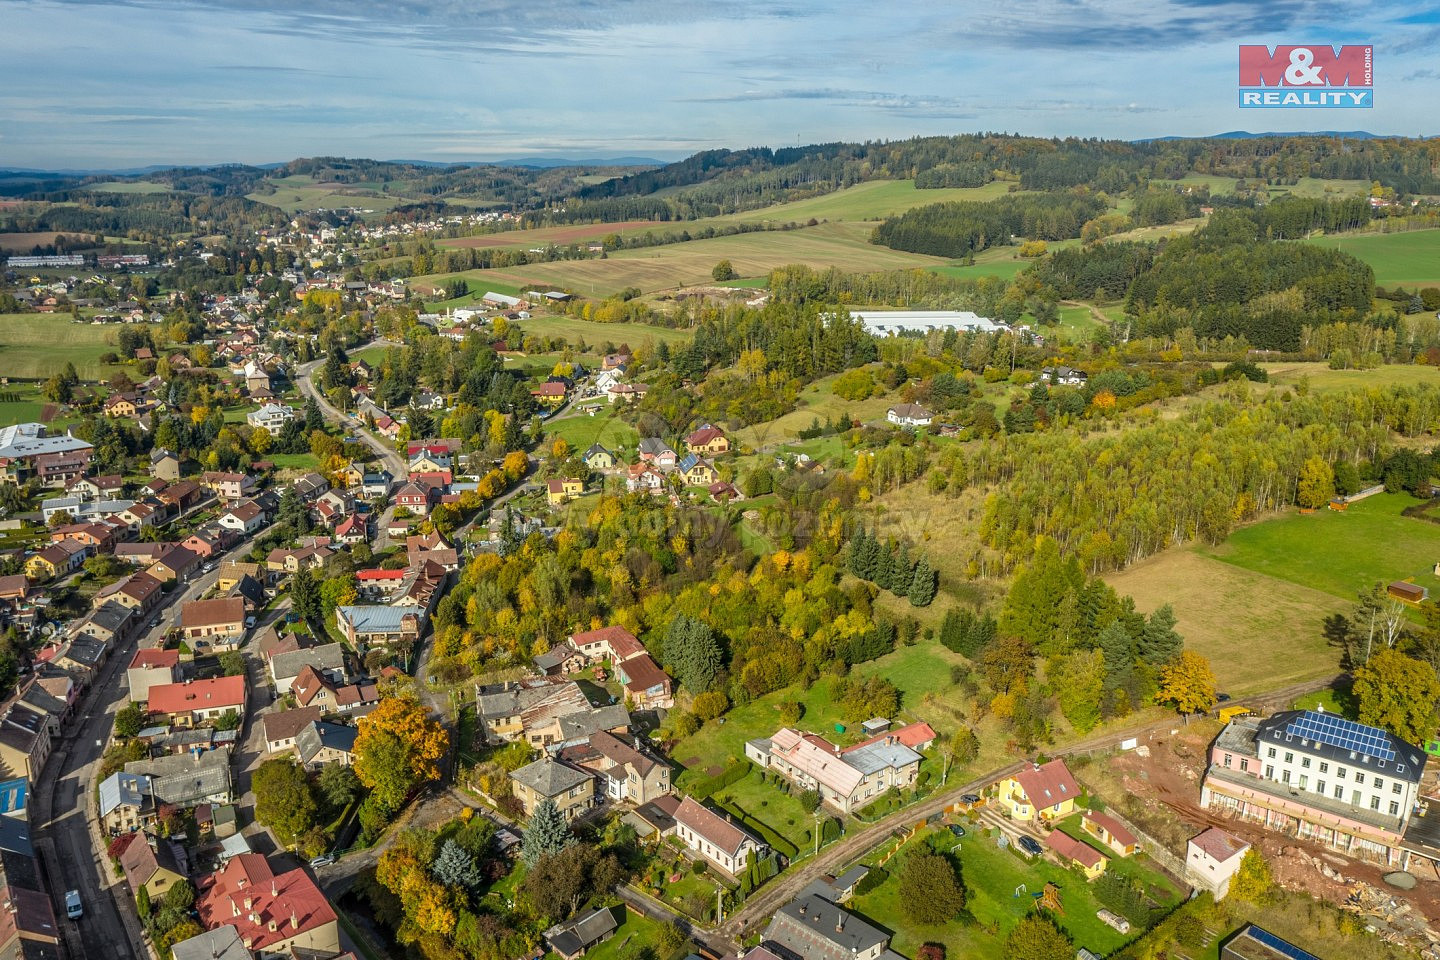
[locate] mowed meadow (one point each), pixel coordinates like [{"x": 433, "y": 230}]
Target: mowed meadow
[
  {"x": 1409, "y": 259},
  {"x": 35, "y": 346}
]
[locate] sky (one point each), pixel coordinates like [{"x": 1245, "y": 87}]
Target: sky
[{"x": 86, "y": 85}]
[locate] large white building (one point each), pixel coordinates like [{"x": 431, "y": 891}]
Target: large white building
[{"x": 883, "y": 323}]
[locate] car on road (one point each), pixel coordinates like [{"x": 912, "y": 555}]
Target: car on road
[
  {"x": 73, "y": 907},
  {"x": 1030, "y": 845},
  {"x": 956, "y": 830},
  {"x": 321, "y": 861},
  {"x": 249, "y": 622},
  {"x": 1222, "y": 697},
  {"x": 969, "y": 798}
]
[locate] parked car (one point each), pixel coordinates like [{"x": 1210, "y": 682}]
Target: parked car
[
  {"x": 969, "y": 798},
  {"x": 1030, "y": 846},
  {"x": 957, "y": 830},
  {"x": 322, "y": 861},
  {"x": 73, "y": 907}
]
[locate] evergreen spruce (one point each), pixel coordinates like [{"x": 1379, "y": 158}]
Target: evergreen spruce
[
  {"x": 923, "y": 584},
  {"x": 548, "y": 833}
]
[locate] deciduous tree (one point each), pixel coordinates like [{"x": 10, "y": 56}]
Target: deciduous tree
[
  {"x": 284, "y": 801},
  {"x": 1398, "y": 694},
  {"x": 1188, "y": 684},
  {"x": 930, "y": 889},
  {"x": 397, "y": 748},
  {"x": 1035, "y": 937}
]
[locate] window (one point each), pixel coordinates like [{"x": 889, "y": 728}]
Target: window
[
  {"x": 1271, "y": 753},
  {"x": 1269, "y": 772},
  {"x": 1379, "y": 783},
  {"x": 1227, "y": 759},
  {"x": 1284, "y": 776},
  {"x": 1359, "y": 776},
  {"x": 1320, "y": 788},
  {"x": 1304, "y": 782},
  {"x": 1305, "y": 763},
  {"x": 1324, "y": 767},
  {"x": 1396, "y": 787},
  {"x": 1375, "y": 803},
  {"x": 1339, "y": 792},
  {"x": 1394, "y": 808},
  {"x": 1244, "y": 766},
  {"x": 1289, "y": 757}
]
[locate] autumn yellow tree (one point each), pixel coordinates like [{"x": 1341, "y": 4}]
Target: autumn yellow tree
[
  {"x": 515, "y": 464},
  {"x": 1316, "y": 485},
  {"x": 398, "y": 747},
  {"x": 1188, "y": 684}
]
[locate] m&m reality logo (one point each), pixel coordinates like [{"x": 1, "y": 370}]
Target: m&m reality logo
[{"x": 1314, "y": 75}]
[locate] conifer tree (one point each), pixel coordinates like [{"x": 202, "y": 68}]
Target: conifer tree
[
  {"x": 548, "y": 833},
  {"x": 923, "y": 584}
]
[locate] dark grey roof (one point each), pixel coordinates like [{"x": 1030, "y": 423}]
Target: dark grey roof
[
  {"x": 316, "y": 736},
  {"x": 326, "y": 658},
  {"x": 813, "y": 928},
  {"x": 15, "y": 836},
  {"x": 222, "y": 943},
  {"x": 110, "y": 616},
  {"x": 1334, "y": 738},
  {"x": 569, "y": 939},
  {"x": 583, "y": 725},
  {"x": 550, "y": 778}
]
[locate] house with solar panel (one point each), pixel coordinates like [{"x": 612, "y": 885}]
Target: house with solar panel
[{"x": 1318, "y": 776}]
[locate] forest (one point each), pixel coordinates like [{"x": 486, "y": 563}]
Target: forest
[{"x": 962, "y": 228}]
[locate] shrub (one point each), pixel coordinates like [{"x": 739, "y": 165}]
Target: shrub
[
  {"x": 871, "y": 880},
  {"x": 810, "y": 800}
]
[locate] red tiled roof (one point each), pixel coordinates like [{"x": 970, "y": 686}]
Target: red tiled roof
[
  {"x": 210, "y": 694},
  {"x": 377, "y": 574},
  {"x": 622, "y": 642},
  {"x": 1047, "y": 785},
  {"x": 291, "y": 900},
  {"x": 911, "y": 735},
  {"x": 1114, "y": 827},
  {"x": 1218, "y": 844},
  {"x": 1067, "y": 846},
  {"x": 151, "y": 657}
]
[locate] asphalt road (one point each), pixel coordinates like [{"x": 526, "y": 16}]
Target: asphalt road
[
  {"x": 394, "y": 462},
  {"x": 65, "y": 820}
]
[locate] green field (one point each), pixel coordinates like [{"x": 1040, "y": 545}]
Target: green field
[
  {"x": 35, "y": 346},
  {"x": 872, "y": 200},
  {"x": 1340, "y": 553},
  {"x": 604, "y": 428},
  {"x": 816, "y": 401},
  {"x": 839, "y": 244},
  {"x": 575, "y": 329},
  {"x": 1409, "y": 259},
  {"x": 1321, "y": 377},
  {"x": 296, "y": 193},
  {"x": 992, "y": 877}
]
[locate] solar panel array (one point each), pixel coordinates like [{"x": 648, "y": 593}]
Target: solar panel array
[
  {"x": 1279, "y": 946},
  {"x": 1339, "y": 732}
]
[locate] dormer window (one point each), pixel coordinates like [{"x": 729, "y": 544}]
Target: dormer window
[{"x": 1400, "y": 768}]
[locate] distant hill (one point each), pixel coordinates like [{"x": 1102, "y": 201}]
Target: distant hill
[{"x": 1247, "y": 135}]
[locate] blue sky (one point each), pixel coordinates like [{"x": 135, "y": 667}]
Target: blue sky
[{"x": 133, "y": 82}]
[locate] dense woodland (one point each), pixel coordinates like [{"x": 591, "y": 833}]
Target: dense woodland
[{"x": 963, "y": 228}]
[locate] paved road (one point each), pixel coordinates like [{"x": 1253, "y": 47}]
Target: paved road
[
  {"x": 65, "y": 820},
  {"x": 394, "y": 462}
]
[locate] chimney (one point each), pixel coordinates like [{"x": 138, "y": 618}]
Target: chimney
[
  {"x": 272, "y": 926},
  {"x": 234, "y": 910},
  {"x": 249, "y": 902},
  {"x": 802, "y": 909},
  {"x": 273, "y": 892},
  {"x": 840, "y": 922},
  {"x": 294, "y": 921}
]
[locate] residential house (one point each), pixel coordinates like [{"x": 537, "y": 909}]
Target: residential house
[
  {"x": 559, "y": 490},
  {"x": 598, "y": 458},
  {"x": 156, "y": 864},
  {"x": 1110, "y": 832},
  {"x": 613, "y": 643},
  {"x": 1063, "y": 376},
  {"x": 294, "y": 559},
  {"x": 126, "y": 803},
  {"x": 647, "y": 686},
  {"x": 550, "y": 394},
  {"x": 281, "y": 727},
  {"x": 1091, "y": 862},
  {"x": 56, "y": 560},
  {"x": 1047, "y": 791},
  {"x": 121, "y": 405},
  {"x": 414, "y": 498},
  {"x": 186, "y": 779},
  {"x": 99, "y": 537},
  {"x": 811, "y": 927},
  {"x": 430, "y": 460},
  {"x": 1212, "y": 857},
  {"x": 697, "y": 472},
  {"x": 313, "y": 689},
  {"x": 140, "y": 554},
  {"x": 707, "y": 441},
  {"x": 149, "y": 667},
  {"x": 376, "y": 484},
  {"x": 271, "y": 418},
  {"x": 909, "y": 415},
  {"x": 332, "y": 506},
  {"x": 846, "y": 779},
  {"x": 657, "y": 453},
  {"x": 375, "y": 626},
  {"x": 641, "y": 477},
  {"x": 353, "y": 529},
  {"x": 214, "y": 624},
  {"x": 571, "y": 939},
  {"x": 232, "y": 570},
  {"x": 165, "y": 464},
  {"x": 82, "y": 656},
  {"x": 176, "y": 563},
  {"x": 221, "y": 943},
  {"x": 351, "y": 476},
  {"x": 328, "y": 660},
  {"x": 26, "y": 735},
  {"x": 193, "y": 702},
  {"x": 276, "y": 915},
  {"x": 710, "y": 836},
  {"x": 627, "y": 392},
  {"x": 139, "y": 591},
  {"x": 181, "y": 495},
  {"x": 543, "y": 712},
  {"x": 625, "y": 772},
  {"x": 311, "y": 486},
  {"x": 229, "y": 486},
  {"x": 1314, "y": 774},
  {"x": 57, "y": 469},
  {"x": 431, "y": 547},
  {"x": 243, "y": 518},
  {"x": 321, "y": 744},
  {"x": 209, "y": 540},
  {"x": 572, "y": 789}
]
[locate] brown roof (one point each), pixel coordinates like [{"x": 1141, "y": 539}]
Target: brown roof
[
  {"x": 140, "y": 587},
  {"x": 1114, "y": 827},
  {"x": 619, "y": 752},
  {"x": 644, "y": 673},
  {"x": 287, "y": 724},
  {"x": 204, "y": 613},
  {"x": 1068, "y": 846},
  {"x": 710, "y": 826},
  {"x": 1047, "y": 785},
  {"x": 1219, "y": 845}
]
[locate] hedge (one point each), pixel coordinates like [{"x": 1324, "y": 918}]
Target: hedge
[{"x": 704, "y": 789}]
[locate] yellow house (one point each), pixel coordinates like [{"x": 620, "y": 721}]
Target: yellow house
[
  {"x": 697, "y": 472},
  {"x": 153, "y": 867},
  {"x": 119, "y": 405},
  {"x": 350, "y": 475},
  {"x": 1090, "y": 861},
  {"x": 561, "y": 489},
  {"x": 1046, "y": 791}
]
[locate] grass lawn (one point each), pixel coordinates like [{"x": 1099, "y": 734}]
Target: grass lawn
[
  {"x": 633, "y": 934},
  {"x": 770, "y": 804},
  {"x": 1411, "y": 259},
  {"x": 130, "y": 186},
  {"x": 294, "y": 461},
  {"x": 991, "y": 876},
  {"x": 1321, "y": 377},
  {"x": 1257, "y": 631},
  {"x": 1340, "y": 553},
  {"x": 593, "y": 332},
  {"x": 817, "y": 401},
  {"x": 603, "y": 428},
  {"x": 35, "y": 346}
]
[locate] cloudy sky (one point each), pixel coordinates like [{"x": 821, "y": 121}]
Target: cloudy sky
[{"x": 132, "y": 82}]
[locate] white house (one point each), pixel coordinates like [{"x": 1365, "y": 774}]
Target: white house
[
  {"x": 909, "y": 415},
  {"x": 245, "y": 517},
  {"x": 1212, "y": 858},
  {"x": 714, "y": 838},
  {"x": 271, "y": 418}
]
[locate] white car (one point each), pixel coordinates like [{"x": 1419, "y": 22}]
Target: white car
[{"x": 73, "y": 907}]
